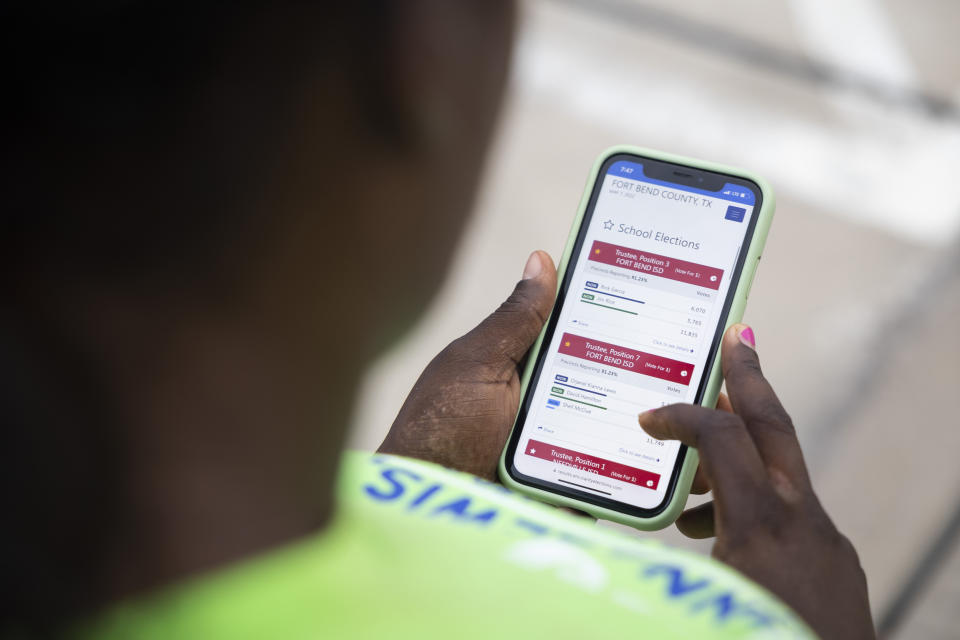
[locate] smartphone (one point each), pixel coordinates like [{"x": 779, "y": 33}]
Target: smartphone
[{"x": 659, "y": 262}]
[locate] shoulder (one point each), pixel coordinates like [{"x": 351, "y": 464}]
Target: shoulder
[
  {"x": 462, "y": 534},
  {"x": 417, "y": 551}
]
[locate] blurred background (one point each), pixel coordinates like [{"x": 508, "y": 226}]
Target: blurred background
[{"x": 852, "y": 110}]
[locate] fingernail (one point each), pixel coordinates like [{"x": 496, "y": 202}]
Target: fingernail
[
  {"x": 746, "y": 337},
  {"x": 534, "y": 266}
]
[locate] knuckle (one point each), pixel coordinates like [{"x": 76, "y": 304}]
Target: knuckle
[
  {"x": 747, "y": 367},
  {"x": 840, "y": 546},
  {"x": 844, "y": 544},
  {"x": 825, "y": 528},
  {"x": 847, "y": 549},
  {"x": 769, "y": 414},
  {"x": 522, "y": 306},
  {"x": 743, "y": 373},
  {"x": 795, "y": 492}
]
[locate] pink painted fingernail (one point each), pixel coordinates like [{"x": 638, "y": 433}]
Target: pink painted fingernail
[{"x": 747, "y": 338}]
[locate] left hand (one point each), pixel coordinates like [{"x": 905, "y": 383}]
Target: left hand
[
  {"x": 460, "y": 411},
  {"x": 769, "y": 523}
]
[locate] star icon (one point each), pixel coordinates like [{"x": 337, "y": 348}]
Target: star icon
[
  {"x": 533, "y": 451},
  {"x": 608, "y": 225}
]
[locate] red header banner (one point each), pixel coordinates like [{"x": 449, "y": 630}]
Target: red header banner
[
  {"x": 656, "y": 265},
  {"x": 612, "y": 355},
  {"x": 592, "y": 464}
]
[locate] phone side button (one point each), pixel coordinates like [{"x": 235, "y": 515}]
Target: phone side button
[{"x": 756, "y": 267}]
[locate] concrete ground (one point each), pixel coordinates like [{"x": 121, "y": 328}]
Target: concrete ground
[{"x": 850, "y": 110}]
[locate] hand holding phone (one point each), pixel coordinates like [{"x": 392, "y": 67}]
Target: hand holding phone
[
  {"x": 768, "y": 521},
  {"x": 462, "y": 407},
  {"x": 660, "y": 260}
]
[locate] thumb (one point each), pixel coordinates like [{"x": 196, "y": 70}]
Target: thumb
[{"x": 506, "y": 335}]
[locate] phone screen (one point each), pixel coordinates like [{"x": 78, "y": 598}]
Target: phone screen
[{"x": 639, "y": 316}]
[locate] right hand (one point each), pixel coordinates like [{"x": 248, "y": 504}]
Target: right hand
[{"x": 769, "y": 524}]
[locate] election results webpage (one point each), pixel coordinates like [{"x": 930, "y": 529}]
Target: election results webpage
[{"x": 634, "y": 333}]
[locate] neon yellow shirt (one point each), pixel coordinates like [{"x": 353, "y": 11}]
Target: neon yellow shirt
[{"x": 417, "y": 551}]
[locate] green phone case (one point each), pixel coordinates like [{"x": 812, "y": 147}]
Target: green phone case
[{"x": 682, "y": 491}]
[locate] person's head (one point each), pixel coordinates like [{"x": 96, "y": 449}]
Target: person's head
[{"x": 297, "y": 172}]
